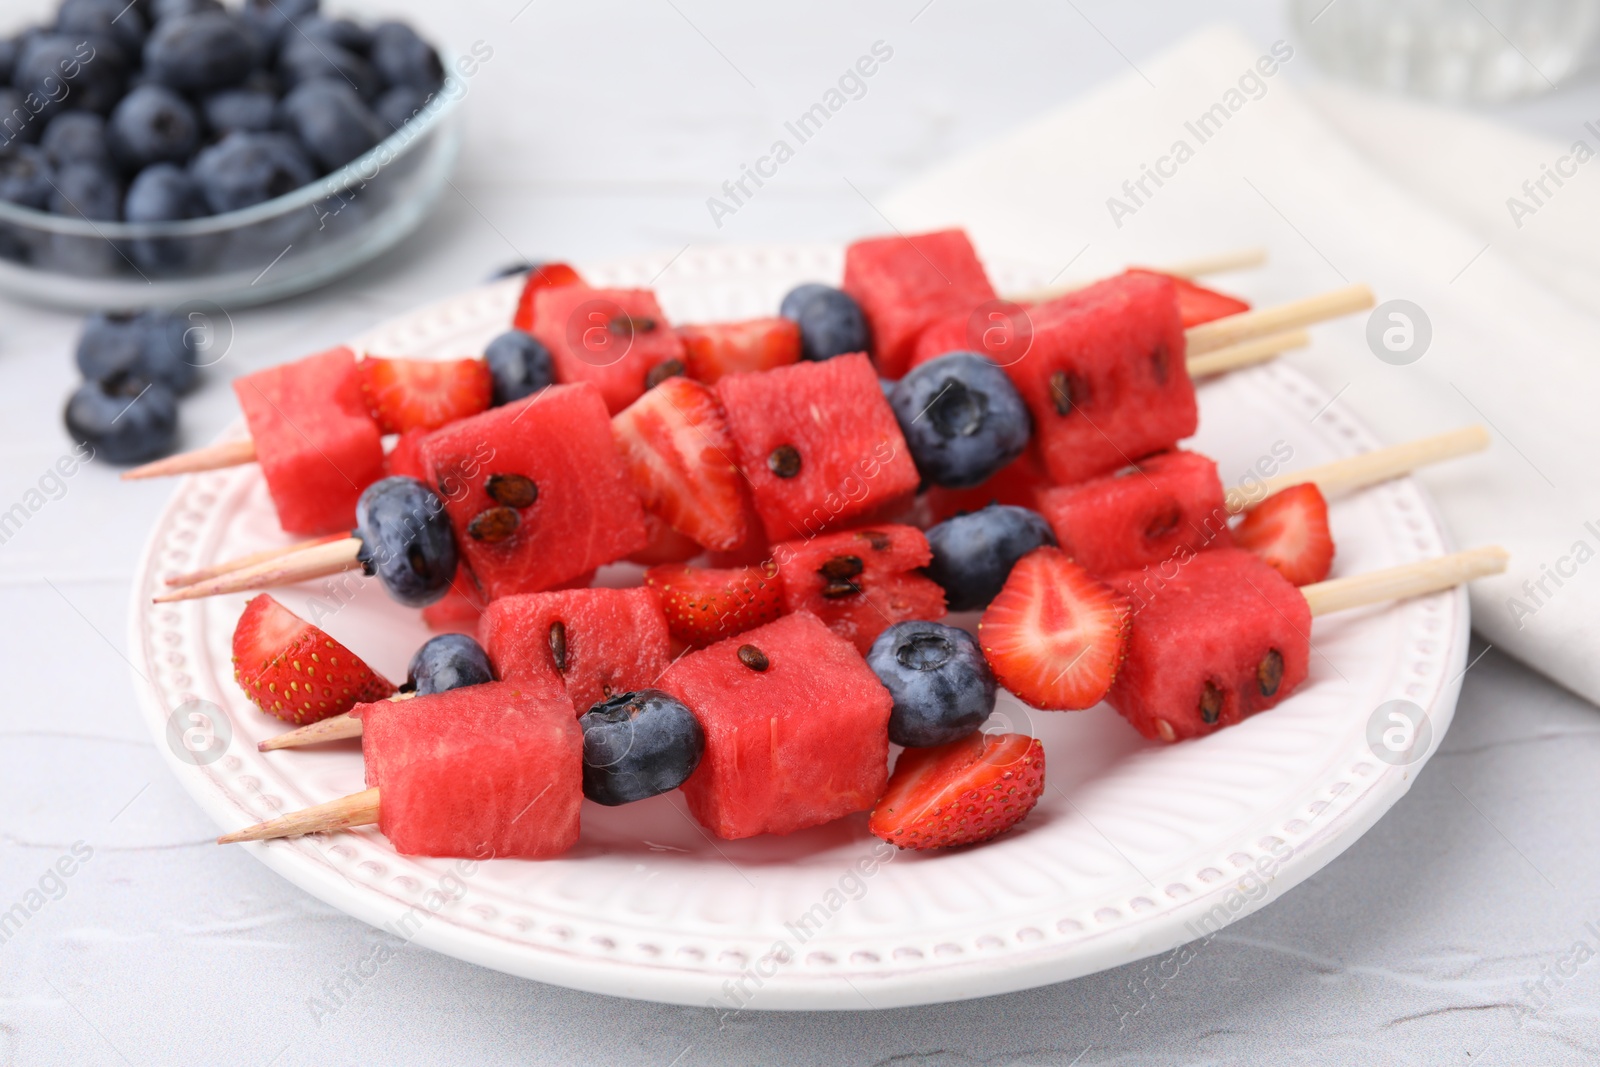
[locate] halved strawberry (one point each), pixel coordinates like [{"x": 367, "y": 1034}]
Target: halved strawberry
[
  {"x": 675, "y": 443},
  {"x": 541, "y": 276},
  {"x": 666, "y": 544},
  {"x": 424, "y": 394},
  {"x": 293, "y": 670},
  {"x": 706, "y": 605},
  {"x": 1198, "y": 304},
  {"x": 1056, "y": 634},
  {"x": 714, "y": 349},
  {"x": 961, "y": 793},
  {"x": 1289, "y": 530},
  {"x": 405, "y": 458}
]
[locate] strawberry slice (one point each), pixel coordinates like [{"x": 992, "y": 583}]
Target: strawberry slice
[
  {"x": 541, "y": 276},
  {"x": 1198, "y": 304},
  {"x": 1289, "y": 530},
  {"x": 1056, "y": 634},
  {"x": 293, "y": 670},
  {"x": 706, "y": 605},
  {"x": 715, "y": 349},
  {"x": 424, "y": 394},
  {"x": 675, "y": 443},
  {"x": 961, "y": 793},
  {"x": 666, "y": 544}
]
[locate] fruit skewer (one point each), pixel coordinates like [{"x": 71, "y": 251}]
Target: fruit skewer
[
  {"x": 1342, "y": 594},
  {"x": 324, "y": 557}
]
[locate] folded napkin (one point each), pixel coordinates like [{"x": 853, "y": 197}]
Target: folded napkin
[{"x": 1209, "y": 147}]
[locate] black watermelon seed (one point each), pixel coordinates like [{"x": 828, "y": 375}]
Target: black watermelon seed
[
  {"x": 784, "y": 461},
  {"x": 1269, "y": 672},
  {"x": 753, "y": 657},
  {"x": 512, "y": 490},
  {"x": 494, "y": 524},
  {"x": 1160, "y": 361},
  {"x": 840, "y": 567},
  {"x": 1163, "y": 523},
  {"x": 672, "y": 368},
  {"x": 879, "y": 541},
  {"x": 558, "y": 645},
  {"x": 1210, "y": 703},
  {"x": 1067, "y": 391}
]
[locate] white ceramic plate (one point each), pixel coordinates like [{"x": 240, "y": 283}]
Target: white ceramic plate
[{"x": 1135, "y": 848}]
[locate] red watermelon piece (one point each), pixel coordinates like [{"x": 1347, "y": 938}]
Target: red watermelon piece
[
  {"x": 1222, "y": 639},
  {"x": 595, "y": 642},
  {"x": 1105, "y": 378},
  {"x": 460, "y": 608},
  {"x": 713, "y": 350},
  {"x": 860, "y": 582},
  {"x": 610, "y": 338},
  {"x": 1168, "y": 507},
  {"x": 905, "y": 283},
  {"x": 405, "y": 458},
  {"x": 799, "y": 739},
  {"x": 536, "y": 491},
  {"x": 1196, "y": 303},
  {"x": 317, "y": 446},
  {"x": 542, "y": 276},
  {"x": 818, "y": 444},
  {"x": 487, "y": 771},
  {"x": 675, "y": 443},
  {"x": 1017, "y": 483}
]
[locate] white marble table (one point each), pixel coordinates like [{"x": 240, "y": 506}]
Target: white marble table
[{"x": 1447, "y": 935}]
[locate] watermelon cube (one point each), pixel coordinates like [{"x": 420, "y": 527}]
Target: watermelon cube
[
  {"x": 316, "y": 444},
  {"x": 404, "y": 460},
  {"x": 1105, "y": 376},
  {"x": 1221, "y": 638},
  {"x": 796, "y": 726},
  {"x": 1169, "y": 506},
  {"x": 611, "y": 338},
  {"x": 536, "y": 491},
  {"x": 596, "y": 642},
  {"x": 818, "y": 444},
  {"x": 860, "y": 582},
  {"x": 1018, "y": 483},
  {"x": 905, "y": 283},
  {"x": 716, "y": 349},
  {"x": 487, "y": 771}
]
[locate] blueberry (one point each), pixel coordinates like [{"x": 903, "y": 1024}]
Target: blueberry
[
  {"x": 124, "y": 419},
  {"x": 18, "y": 123},
  {"x": 117, "y": 19},
  {"x": 9, "y": 47},
  {"x": 403, "y": 58},
  {"x": 111, "y": 344},
  {"x": 943, "y": 688},
  {"x": 304, "y": 59},
  {"x": 398, "y": 105},
  {"x": 26, "y": 177},
  {"x": 637, "y": 745},
  {"x": 86, "y": 71},
  {"x": 520, "y": 365},
  {"x": 244, "y": 169},
  {"x": 164, "y": 192},
  {"x": 406, "y": 540},
  {"x": 161, "y": 10},
  {"x": 831, "y": 322},
  {"x": 153, "y": 124},
  {"x": 200, "y": 52},
  {"x": 76, "y": 137},
  {"x": 240, "y": 109},
  {"x": 169, "y": 356},
  {"x": 271, "y": 18},
  {"x": 341, "y": 32},
  {"x": 84, "y": 190},
  {"x": 331, "y": 121},
  {"x": 973, "y": 553},
  {"x": 446, "y": 662},
  {"x": 511, "y": 270},
  {"x": 962, "y": 418}
]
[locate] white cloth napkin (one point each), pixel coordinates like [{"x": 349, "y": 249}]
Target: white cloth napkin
[{"x": 1268, "y": 168}]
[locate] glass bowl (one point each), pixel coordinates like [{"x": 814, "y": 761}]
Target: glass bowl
[{"x": 284, "y": 246}]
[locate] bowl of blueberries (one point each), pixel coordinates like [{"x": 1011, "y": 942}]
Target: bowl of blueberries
[{"x": 161, "y": 152}]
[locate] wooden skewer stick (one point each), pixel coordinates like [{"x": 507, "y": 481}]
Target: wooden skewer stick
[
  {"x": 358, "y": 809},
  {"x": 333, "y": 728},
  {"x": 210, "y": 458},
  {"x": 1220, "y": 333},
  {"x": 1238, "y": 259},
  {"x": 250, "y": 560},
  {"x": 317, "y": 561},
  {"x": 1344, "y": 476},
  {"x": 1393, "y": 583},
  {"x": 1246, "y": 353},
  {"x": 1406, "y": 580}
]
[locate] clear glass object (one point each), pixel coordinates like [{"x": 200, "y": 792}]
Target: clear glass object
[
  {"x": 1459, "y": 50},
  {"x": 288, "y": 245}
]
